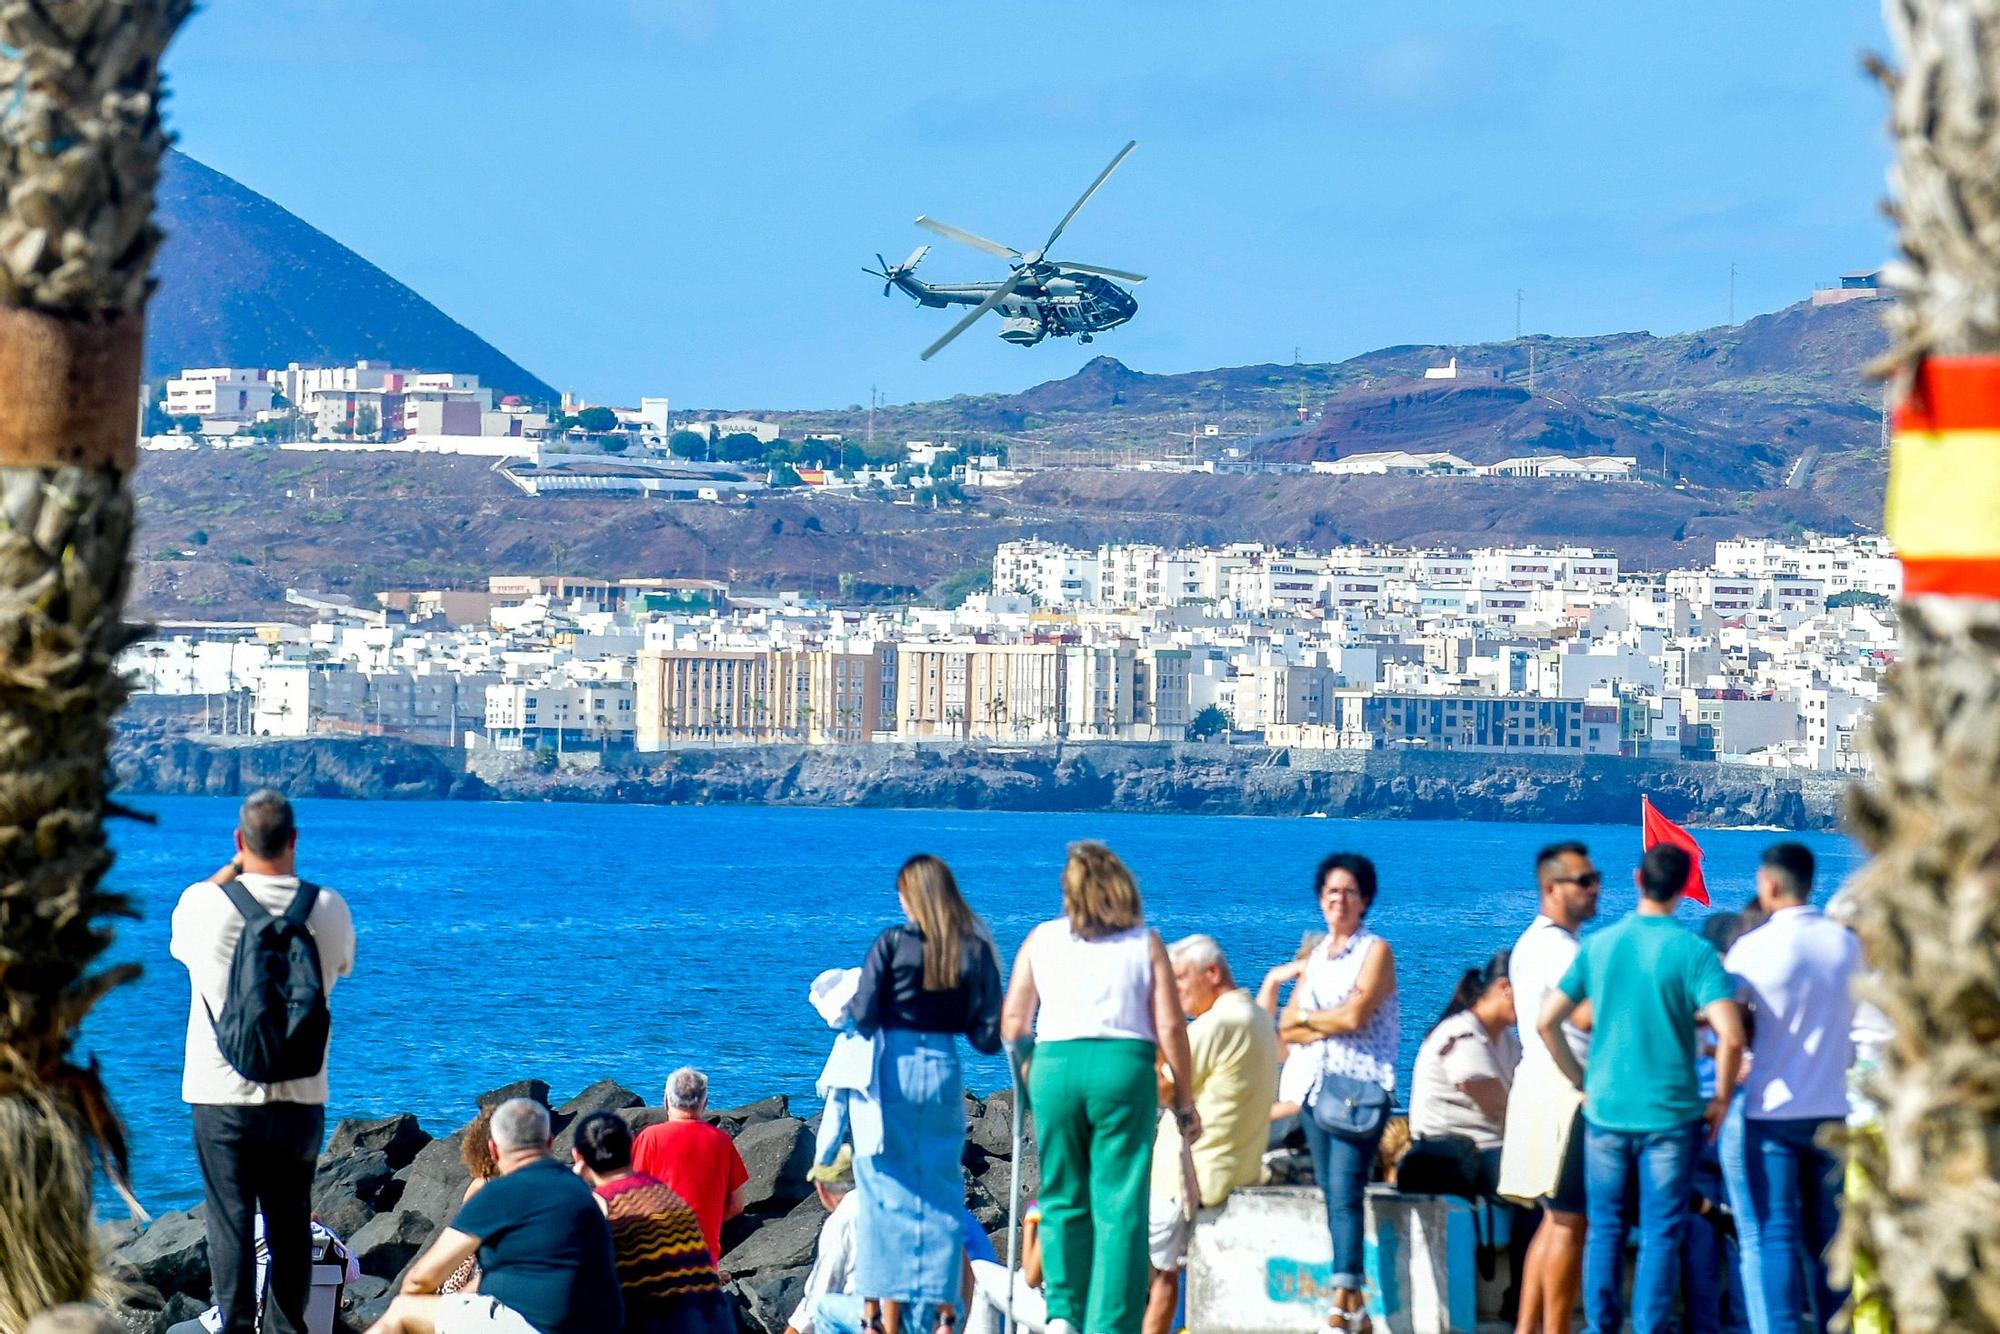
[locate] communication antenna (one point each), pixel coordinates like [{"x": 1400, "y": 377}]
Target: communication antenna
[
  {"x": 873, "y": 398},
  {"x": 1517, "y": 313},
  {"x": 1732, "y": 293}
]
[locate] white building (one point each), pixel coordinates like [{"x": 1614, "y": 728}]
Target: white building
[
  {"x": 219, "y": 393},
  {"x": 1397, "y": 462},
  {"x": 559, "y": 714},
  {"x": 1560, "y": 467},
  {"x": 1048, "y": 572}
]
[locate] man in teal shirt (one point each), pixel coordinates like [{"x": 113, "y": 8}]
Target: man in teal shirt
[{"x": 1648, "y": 981}]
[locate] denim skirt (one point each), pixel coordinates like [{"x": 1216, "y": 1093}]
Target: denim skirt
[{"x": 909, "y": 1240}]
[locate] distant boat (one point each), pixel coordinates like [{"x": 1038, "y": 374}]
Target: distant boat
[
  {"x": 1314, "y": 815},
  {"x": 1751, "y": 828}
]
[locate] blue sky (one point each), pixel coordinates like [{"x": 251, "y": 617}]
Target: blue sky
[{"x": 677, "y": 196}]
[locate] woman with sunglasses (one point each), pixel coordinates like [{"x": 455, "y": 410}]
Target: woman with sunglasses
[{"x": 1344, "y": 1021}]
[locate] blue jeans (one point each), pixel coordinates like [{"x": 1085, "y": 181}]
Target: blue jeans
[
  {"x": 1342, "y": 1166},
  {"x": 1711, "y": 1283},
  {"x": 1795, "y": 1190},
  {"x": 840, "y": 1313},
  {"x": 1730, "y": 1151},
  {"x": 1662, "y": 1166}
]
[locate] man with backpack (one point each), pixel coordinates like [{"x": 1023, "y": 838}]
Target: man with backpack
[{"x": 262, "y": 949}]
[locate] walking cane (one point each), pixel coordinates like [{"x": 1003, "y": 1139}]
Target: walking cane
[{"x": 1014, "y": 1186}]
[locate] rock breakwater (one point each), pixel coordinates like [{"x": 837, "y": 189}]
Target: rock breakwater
[
  {"x": 388, "y": 1187},
  {"x": 1160, "y": 779}
]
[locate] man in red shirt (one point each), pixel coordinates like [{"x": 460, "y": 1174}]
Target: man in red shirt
[{"x": 693, "y": 1157}]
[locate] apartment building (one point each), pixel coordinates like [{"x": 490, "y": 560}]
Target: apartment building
[
  {"x": 1051, "y": 574},
  {"x": 1367, "y": 720},
  {"x": 292, "y": 696},
  {"x": 1011, "y": 692},
  {"x": 218, "y": 393},
  {"x": 557, "y": 714},
  {"x": 746, "y": 696}
]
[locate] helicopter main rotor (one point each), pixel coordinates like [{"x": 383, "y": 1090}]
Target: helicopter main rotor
[{"x": 1032, "y": 267}]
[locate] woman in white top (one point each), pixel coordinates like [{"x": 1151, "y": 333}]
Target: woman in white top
[
  {"x": 1458, "y": 1091},
  {"x": 1091, "y": 1007},
  {"x": 1344, "y": 1023}
]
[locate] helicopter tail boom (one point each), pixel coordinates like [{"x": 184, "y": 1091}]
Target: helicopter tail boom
[{"x": 903, "y": 276}]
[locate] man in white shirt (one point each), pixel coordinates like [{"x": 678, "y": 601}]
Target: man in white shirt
[
  {"x": 1544, "y": 1141},
  {"x": 257, "y": 1143},
  {"x": 1796, "y": 973},
  {"x": 832, "y": 1273}
]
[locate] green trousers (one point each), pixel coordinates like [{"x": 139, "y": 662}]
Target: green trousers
[{"x": 1097, "y": 1109}]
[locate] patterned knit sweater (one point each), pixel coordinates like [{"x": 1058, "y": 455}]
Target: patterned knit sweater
[{"x": 660, "y": 1251}]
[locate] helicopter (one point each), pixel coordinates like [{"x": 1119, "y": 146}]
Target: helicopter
[{"x": 1039, "y": 299}]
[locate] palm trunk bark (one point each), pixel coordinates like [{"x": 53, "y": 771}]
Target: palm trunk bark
[
  {"x": 80, "y": 145},
  {"x": 1929, "y": 1224}
]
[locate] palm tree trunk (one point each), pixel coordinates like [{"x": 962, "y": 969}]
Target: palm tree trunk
[
  {"x": 1929, "y": 1224},
  {"x": 80, "y": 145}
]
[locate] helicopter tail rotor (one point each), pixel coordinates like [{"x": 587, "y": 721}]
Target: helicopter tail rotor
[{"x": 889, "y": 273}]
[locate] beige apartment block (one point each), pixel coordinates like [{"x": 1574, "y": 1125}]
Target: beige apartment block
[
  {"x": 747, "y": 696},
  {"x": 1010, "y": 692}
]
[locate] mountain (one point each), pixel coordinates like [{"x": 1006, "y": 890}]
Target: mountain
[
  {"x": 1730, "y": 409},
  {"x": 1773, "y": 424},
  {"x": 243, "y": 282}
]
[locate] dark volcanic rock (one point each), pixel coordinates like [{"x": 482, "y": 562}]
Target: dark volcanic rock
[
  {"x": 390, "y": 1241},
  {"x": 735, "y": 1119},
  {"x": 138, "y": 1305},
  {"x": 537, "y": 1089},
  {"x": 765, "y": 1301},
  {"x": 606, "y": 1095},
  {"x": 365, "y": 767},
  {"x": 351, "y": 1188},
  {"x": 179, "y": 1307},
  {"x": 778, "y": 1155},
  {"x": 434, "y": 1183},
  {"x": 397, "y": 1137},
  {"x": 992, "y": 1131},
  {"x": 172, "y": 1255},
  {"x": 1173, "y": 778},
  {"x": 362, "y": 1301},
  {"x": 780, "y": 1243}
]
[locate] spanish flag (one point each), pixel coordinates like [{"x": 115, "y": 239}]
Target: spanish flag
[{"x": 1944, "y": 479}]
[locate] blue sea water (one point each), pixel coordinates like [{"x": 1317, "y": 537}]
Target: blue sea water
[{"x": 577, "y": 942}]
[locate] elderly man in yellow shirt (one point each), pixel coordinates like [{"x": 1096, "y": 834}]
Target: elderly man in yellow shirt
[{"x": 1235, "y": 1077}]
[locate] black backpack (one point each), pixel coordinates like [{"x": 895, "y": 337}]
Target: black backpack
[{"x": 274, "y": 1020}]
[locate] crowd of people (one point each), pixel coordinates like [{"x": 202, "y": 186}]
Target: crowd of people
[{"x": 1641, "y": 1086}]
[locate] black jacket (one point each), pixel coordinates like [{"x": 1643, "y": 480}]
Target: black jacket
[{"x": 892, "y": 991}]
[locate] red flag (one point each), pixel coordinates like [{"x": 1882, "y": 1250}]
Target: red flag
[{"x": 1657, "y": 828}]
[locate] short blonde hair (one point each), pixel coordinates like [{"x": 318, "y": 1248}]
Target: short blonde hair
[{"x": 1099, "y": 895}]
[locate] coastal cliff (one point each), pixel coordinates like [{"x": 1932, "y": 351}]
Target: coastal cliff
[
  {"x": 1206, "y": 779},
  {"x": 387, "y": 1187}
]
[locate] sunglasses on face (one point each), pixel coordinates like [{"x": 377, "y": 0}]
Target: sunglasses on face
[{"x": 1588, "y": 880}]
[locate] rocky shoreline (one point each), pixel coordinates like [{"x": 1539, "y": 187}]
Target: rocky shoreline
[
  {"x": 388, "y": 1187},
  {"x": 1208, "y": 779}
]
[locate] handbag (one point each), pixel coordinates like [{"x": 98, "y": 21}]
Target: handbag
[{"x": 1349, "y": 1107}]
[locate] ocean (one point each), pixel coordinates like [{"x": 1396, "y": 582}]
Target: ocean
[{"x": 573, "y": 943}]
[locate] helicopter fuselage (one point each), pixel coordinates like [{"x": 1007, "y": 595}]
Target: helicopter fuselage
[{"x": 1060, "y": 305}]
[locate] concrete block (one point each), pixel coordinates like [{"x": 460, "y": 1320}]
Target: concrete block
[{"x": 1260, "y": 1263}]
